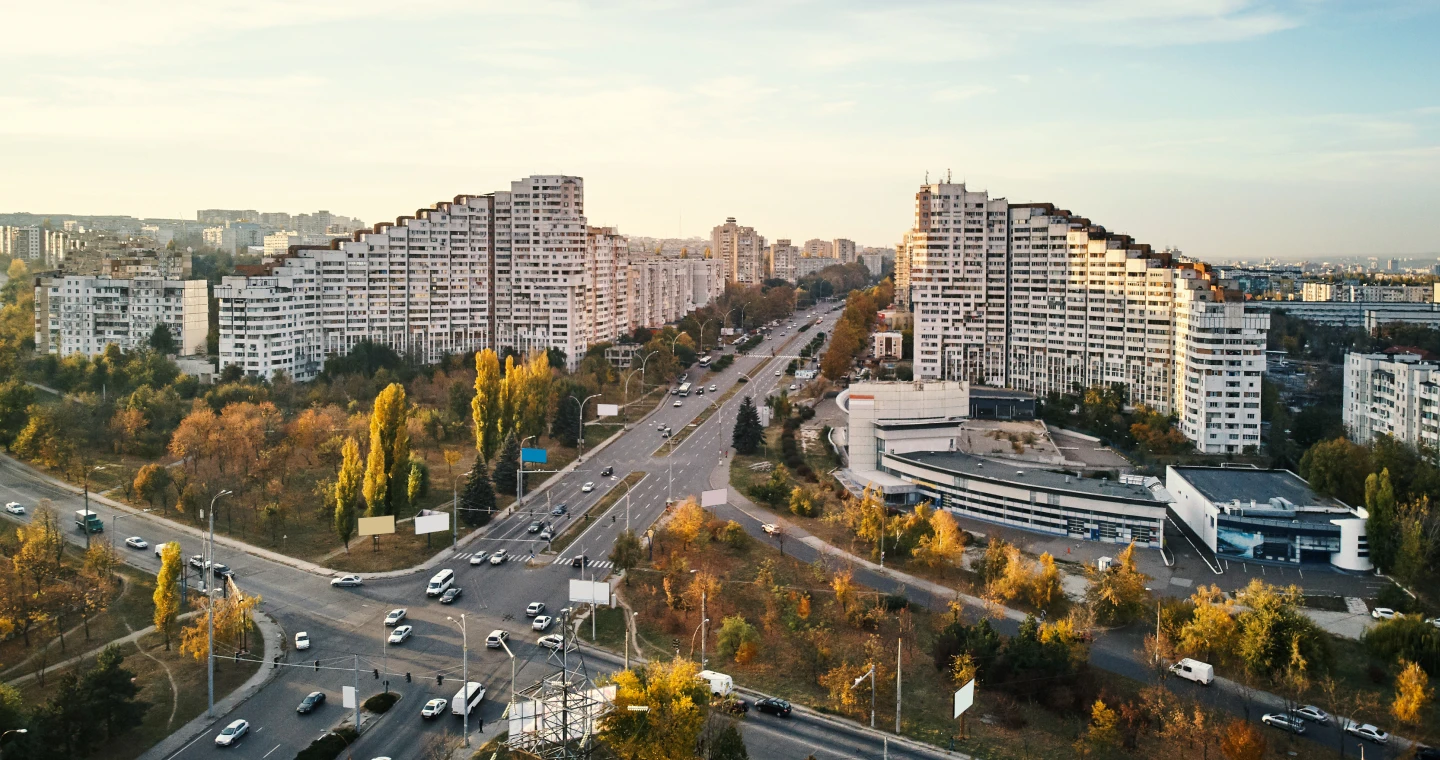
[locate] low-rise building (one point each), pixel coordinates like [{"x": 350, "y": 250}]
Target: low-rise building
[
  {"x": 1267, "y": 515},
  {"x": 887, "y": 345}
]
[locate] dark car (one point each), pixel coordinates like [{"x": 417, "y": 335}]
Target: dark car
[
  {"x": 579, "y": 561},
  {"x": 559, "y": 509},
  {"x": 774, "y": 706},
  {"x": 311, "y": 701},
  {"x": 607, "y": 472},
  {"x": 1427, "y": 753},
  {"x": 535, "y": 527},
  {"x": 734, "y": 706},
  {"x": 221, "y": 571},
  {"x": 451, "y": 594}
]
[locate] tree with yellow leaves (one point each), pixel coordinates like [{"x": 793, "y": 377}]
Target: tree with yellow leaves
[
  {"x": 347, "y": 491},
  {"x": 1211, "y": 633},
  {"x": 1045, "y": 592},
  {"x": 688, "y": 524},
  {"x": 533, "y": 406},
  {"x": 945, "y": 544},
  {"x": 669, "y": 727},
  {"x": 843, "y": 584},
  {"x": 1118, "y": 594},
  {"x": 511, "y": 398},
  {"x": 1103, "y": 733},
  {"x": 1412, "y": 694},
  {"x": 388, "y": 465},
  {"x": 167, "y": 596},
  {"x": 485, "y": 407},
  {"x": 233, "y": 617},
  {"x": 1242, "y": 741}
]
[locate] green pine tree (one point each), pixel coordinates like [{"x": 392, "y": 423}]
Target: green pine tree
[
  {"x": 113, "y": 694},
  {"x": 477, "y": 503},
  {"x": 1381, "y": 529},
  {"x": 565, "y": 427},
  {"x": 507, "y": 467},
  {"x": 748, "y": 433}
]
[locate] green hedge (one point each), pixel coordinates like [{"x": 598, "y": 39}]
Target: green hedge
[{"x": 329, "y": 746}]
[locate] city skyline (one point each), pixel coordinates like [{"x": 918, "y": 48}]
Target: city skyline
[{"x": 1194, "y": 124}]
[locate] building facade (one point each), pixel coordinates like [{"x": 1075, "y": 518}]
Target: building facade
[
  {"x": 1394, "y": 394},
  {"x": 1348, "y": 293},
  {"x": 820, "y": 249},
  {"x": 844, "y": 250},
  {"x": 782, "y": 259},
  {"x": 516, "y": 269},
  {"x": 82, "y": 314},
  {"x": 1033, "y": 297},
  {"x": 740, "y": 251}
]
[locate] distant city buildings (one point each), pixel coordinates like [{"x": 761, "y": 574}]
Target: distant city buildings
[
  {"x": 83, "y": 314},
  {"x": 820, "y": 249},
  {"x": 740, "y": 251},
  {"x": 1330, "y": 291},
  {"x": 844, "y": 250},
  {"x": 46, "y": 246},
  {"x": 518, "y": 269},
  {"x": 783, "y": 258}
]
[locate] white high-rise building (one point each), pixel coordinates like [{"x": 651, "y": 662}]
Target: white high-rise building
[
  {"x": 740, "y": 251},
  {"x": 1032, "y": 297},
  {"x": 1394, "y": 394},
  {"x": 843, "y": 250},
  {"x": 83, "y": 314},
  {"x": 782, "y": 258},
  {"x": 516, "y": 269}
]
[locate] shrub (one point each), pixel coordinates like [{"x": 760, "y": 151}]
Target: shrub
[
  {"x": 894, "y": 602},
  {"x": 733, "y": 535},
  {"x": 329, "y": 746},
  {"x": 381, "y": 703},
  {"x": 1395, "y": 598}
]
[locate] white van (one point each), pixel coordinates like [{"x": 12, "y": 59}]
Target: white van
[
  {"x": 441, "y": 583},
  {"x": 720, "y": 684},
  {"x": 467, "y": 698},
  {"x": 1194, "y": 670}
]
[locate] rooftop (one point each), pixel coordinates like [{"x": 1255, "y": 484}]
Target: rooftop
[
  {"x": 973, "y": 466},
  {"x": 1222, "y": 485}
]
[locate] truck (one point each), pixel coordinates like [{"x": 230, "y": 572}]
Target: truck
[
  {"x": 1194, "y": 670},
  {"x": 720, "y": 684},
  {"x": 89, "y": 522},
  {"x": 467, "y": 698}
]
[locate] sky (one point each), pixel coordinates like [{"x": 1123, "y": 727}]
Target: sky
[{"x": 1226, "y": 128}]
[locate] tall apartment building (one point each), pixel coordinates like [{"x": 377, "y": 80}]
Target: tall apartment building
[
  {"x": 1033, "y": 297},
  {"x": 903, "y": 265},
  {"x": 1329, "y": 291},
  {"x": 781, "y": 260},
  {"x": 823, "y": 249},
  {"x": 843, "y": 250},
  {"x": 222, "y": 216},
  {"x": 1394, "y": 394},
  {"x": 805, "y": 267},
  {"x": 740, "y": 251},
  {"x": 36, "y": 244},
  {"x": 83, "y": 314},
  {"x": 234, "y": 237},
  {"x": 514, "y": 269}
]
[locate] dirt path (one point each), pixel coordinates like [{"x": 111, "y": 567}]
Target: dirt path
[{"x": 174, "y": 688}]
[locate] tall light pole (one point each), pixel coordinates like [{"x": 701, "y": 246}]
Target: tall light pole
[
  {"x": 512, "y": 673},
  {"x": 465, "y": 674},
  {"x": 210, "y": 605},
  {"x": 703, "y": 325},
  {"x": 455, "y": 511},
  {"x": 628, "y": 488},
  {"x": 115, "y": 522},
  {"x": 13, "y": 731},
  {"x": 643, "y": 362},
  {"x": 520, "y": 476},
  {"x": 88, "y": 473},
  {"x": 870, "y": 674},
  {"x": 580, "y": 455}
]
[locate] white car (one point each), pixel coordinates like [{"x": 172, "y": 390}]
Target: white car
[
  {"x": 478, "y": 558},
  {"x": 588, "y": 487},
  {"x": 1435, "y": 621},
  {"x": 1284, "y": 722},
  {"x": 232, "y": 733},
  {"x": 677, "y": 403},
  {"x": 496, "y": 636},
  {"x": 498, "y": 558},
  {"x": 434, "y": 708},
  {"x": 302, "y": 640},
  {"x": 1368, "y": 733},
  {"x": 712, "y": 388},
  {"x": 546, "y": 535},
  {"x": 1313, "y": 714},
  {"x": 136, "y": 542},
  {"x": 399, "y": 635},
  {"x": 551, "y": 641},
  {"x": 396, "y": 615},
  {"x": 534, "y": 609},
  {"x": 1383, "y": 613},
  {"x": 541, "y": 622},
  {"x": 778, "y": 373},
  {"x": 347, "y": 580},
  {"x": 794, "y": 387},
  {"x": 14, "y": 508},
  {"x": 770, "y": 528}
]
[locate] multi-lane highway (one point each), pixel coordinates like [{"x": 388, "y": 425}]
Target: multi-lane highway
[{"x": 346, "y": 624}]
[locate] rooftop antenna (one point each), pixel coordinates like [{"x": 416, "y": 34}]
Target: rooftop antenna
[
  {"x": 947, "y": 176},
  {"x": 927, "y": 176}
]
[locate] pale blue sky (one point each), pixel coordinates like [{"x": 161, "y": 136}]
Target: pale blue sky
[{"x": 1225, "y": 127}]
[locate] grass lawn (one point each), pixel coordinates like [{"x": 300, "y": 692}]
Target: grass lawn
[
  {"x": 174, "y": 685},
  {"x": 578, "y": 525}
]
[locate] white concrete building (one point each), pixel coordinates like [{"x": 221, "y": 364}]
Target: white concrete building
[
  {"x": 782, "y": 260},
  {"x": 83, "y": 314},
  {"x": 887, "y": 345},
  {"x": 843, "y": 249},
  {"x": 740, "y": 251},
  {"x": 1219, "y": 355},
  {"x": 805, "y": 267},
  {"x": 1394, "y": 394},
  {"x": 515, "y": 269},
  {"x": 1032, "y": 297},
  {"x": 1329, "y": 291},
  {"x": 234, "y": 237}
]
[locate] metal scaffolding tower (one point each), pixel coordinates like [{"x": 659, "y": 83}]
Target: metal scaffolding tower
[{"x": 558, "y": 716}]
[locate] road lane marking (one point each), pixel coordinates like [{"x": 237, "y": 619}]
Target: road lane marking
[{"x": 271, "y": 752}]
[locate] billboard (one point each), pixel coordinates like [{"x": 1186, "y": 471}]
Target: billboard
[
  {"x": 607, "y": 410},
  {"x": 714, "y": 498},
  {"x": 964, "y": 697},
  {"x": 589, "y": 592},
  {"x": 536, "y": 456},
  {"x": 432, "y": 523},
  {"x": 377, "y": 526}
]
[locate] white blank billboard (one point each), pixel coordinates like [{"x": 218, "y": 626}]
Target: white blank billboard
[
  {"x": 964, "y": 698},
  {"x": 589, "y": 592},
  {"x": 607, "y": 410},
  {"x": 435, "y": 523},
  {"x": 714, "y": 498},
  {"x": 377, "y": 526}
]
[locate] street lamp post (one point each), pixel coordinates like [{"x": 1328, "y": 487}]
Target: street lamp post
[
  {"x": 580, "y": 455},
  {"x": 13, "y": 731},
  {"x": 512, "y": 673},
  {"x": 703, "y": 325},
  {"x": 520, "y": 476},
  {"x": 464, "y": 674},
  {"x": 210, "y": 605},
  {"x": 628, "y": 488},
  {"x": 88, "y": 473},
  {"x": 455, "y": 511},
  {"x": 115, "y": 522},
  {"x": 870, "y": 674}
]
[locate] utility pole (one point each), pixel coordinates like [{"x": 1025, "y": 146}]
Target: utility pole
[
  {"x": 357, "y": 694},
  {"x": 88, "y": 473},
  {"x": 210, "y": 606},
  {"x": 465, "y": 673},
  {"x": 520, "y": 479},
  {"x": 898, "y": 664},
  {"x": 703, "y": 620}
]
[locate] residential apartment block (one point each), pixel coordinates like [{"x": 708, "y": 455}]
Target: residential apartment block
[
  {"x": 782, "y": 259},
  {"x": 83, "y": 314},
  {"x": 822, "y": 249},
  {"x": 1395, "y": 394},
  {"x": 36, "y": 244},
  {"x": 740, "y": 251},
  {"x": 516, "y": 269},
  {"x": 844, "y": 250},
  {"x": 1033, "y": 297},
  {"x": 1330, "y": 291}
]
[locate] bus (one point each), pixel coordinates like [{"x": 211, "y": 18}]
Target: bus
[
  {"x": 684, "y": 390},
  {"x": 705, "y": 360}
]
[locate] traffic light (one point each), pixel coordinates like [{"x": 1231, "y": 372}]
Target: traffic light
[
  {"x": 377, "y": 674},
  {"x": 317, "y": 665},
  {"x": 407, "y": 678},
  {"x": 439, "y": 680}
]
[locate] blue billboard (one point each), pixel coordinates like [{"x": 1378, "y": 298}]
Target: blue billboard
[{"x": 536, "y": 456}]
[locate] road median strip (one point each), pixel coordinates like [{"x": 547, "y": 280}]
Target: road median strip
[
  {"x": 669, "y": 445},
  {"x": 569, "y": 534}
]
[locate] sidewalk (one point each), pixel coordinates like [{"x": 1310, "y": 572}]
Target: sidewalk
[
  {"x": 187, "y": 734},
  {"x": 126, "y": 639}
]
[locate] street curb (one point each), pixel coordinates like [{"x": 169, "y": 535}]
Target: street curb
[{"x": 185, "y": 735}]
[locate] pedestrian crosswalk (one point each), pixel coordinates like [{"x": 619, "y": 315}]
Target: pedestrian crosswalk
[
  {"x": 526, "y": 557},
  {"x": 508, "y": 558},
  {"x": 592, "y": 563}
]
